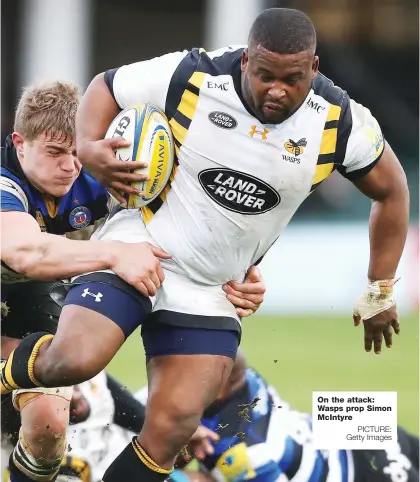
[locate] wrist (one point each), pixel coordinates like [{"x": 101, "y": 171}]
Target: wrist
[{"x": 107, "y": 251}]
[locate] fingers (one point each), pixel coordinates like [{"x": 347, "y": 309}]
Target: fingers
[
  {"x": 160, "y": 273},
  {"x": 396, "y": 327},
  {"x": 356, "y": 320},
  {"x": 124, "y": 188},
  {"x": 253, "y": 275},
  {"x": 116, "y": 142},
  {"x": 119, "y": 197},
  {"x": 388, "y": 336},
  {"x": 377, "y": 341},
  {"x": 244, "y": 313},
  {"x": 151, "y": 287},
  {"x": 140, "y": 286},
  {"x": 160, "y": 253},
  {"x": 242, "y": 303},
  {"x": 128, "y": 177},
  {"x": 206, "y": 432},
  {"x": 257, "y": 288}
]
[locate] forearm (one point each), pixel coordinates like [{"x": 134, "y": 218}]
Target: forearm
[
  {"x": 388, "y": 226},
  {"x": 48, "y": 257},
  {"x": 96, "y": 112}
]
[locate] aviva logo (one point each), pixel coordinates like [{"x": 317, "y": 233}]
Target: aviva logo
[
  {"x": 160, "y": 147},
  {"x": 295, "y": 148}
]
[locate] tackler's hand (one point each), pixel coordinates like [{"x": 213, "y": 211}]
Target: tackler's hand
[
  {"x": 376, "y": 307},
  {"x": 247, "y": 296}
]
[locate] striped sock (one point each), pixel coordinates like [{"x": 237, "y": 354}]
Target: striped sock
[{"x": 24, "y": 467}]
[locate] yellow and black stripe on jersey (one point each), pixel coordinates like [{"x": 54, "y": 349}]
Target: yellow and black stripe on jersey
[
  {"x": 336, "y": 132},
  {"x": 181, "y": 103},
  {"x": 183, "y": 92}
]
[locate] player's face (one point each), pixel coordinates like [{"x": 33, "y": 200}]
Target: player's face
[
  {"x": 49, "y": 161},
  {"x": 273, "y": 84}
]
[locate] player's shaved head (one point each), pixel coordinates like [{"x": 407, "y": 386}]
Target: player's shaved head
[
  {"x": 283, "y": 31},
  {"x": 279, "y": 64}
]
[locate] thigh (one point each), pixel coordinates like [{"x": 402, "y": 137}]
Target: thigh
[
  {"x": 100, "y": 311},
  {"x": 31, "y": 308},
  {"x": 184, "y": 361}
]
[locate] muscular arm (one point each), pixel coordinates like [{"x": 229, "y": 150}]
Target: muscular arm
[
  {"x": 386, "y": 185},
  {"x": 48, "y": 257},
  {"x": 96, "y": 112}
]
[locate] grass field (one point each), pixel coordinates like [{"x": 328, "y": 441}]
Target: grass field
[{"x": 299, "y": 355}]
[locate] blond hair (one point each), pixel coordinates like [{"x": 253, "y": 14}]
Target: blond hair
[{"x": 48, "y": 107}]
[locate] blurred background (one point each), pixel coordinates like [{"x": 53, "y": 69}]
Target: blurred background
[{"x": 303, "y": 338}]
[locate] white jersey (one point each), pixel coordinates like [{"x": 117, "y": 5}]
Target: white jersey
[{"x": 237, "y": 183}]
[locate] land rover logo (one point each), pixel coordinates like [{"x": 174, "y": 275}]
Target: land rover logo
[
  {"x": 223, "y": 120},
  {"x": 238, "y": 192}
]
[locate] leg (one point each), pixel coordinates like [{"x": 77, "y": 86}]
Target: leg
[
  {"x": 100, "y": 312},
  {"x": 187, "y": 368},
  {"x": 42, "y": 437}
]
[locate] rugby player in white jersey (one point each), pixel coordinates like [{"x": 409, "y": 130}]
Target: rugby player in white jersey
[{"x": 257, "y": 129}]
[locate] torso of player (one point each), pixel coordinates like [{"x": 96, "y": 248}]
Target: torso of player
[
  {"x": 74, "y": 215},
  {"x": 237, "y": 182},
  {"x": 274, "y": 443}
]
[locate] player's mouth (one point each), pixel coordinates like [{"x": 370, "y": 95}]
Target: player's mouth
[
  {"x": 273, "y": 108},
  {"x": 65, "y": 180}
]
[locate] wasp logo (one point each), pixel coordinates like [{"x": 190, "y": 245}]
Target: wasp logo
[
  {"x": 295, "y": 148},
  {"x": 263, "y": 133}
]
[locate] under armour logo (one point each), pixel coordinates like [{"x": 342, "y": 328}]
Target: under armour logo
[
  {"x": 97, "y": 297},
  {"x": 263, "y": 133}
]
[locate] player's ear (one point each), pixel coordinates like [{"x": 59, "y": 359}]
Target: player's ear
[
  {"x": 244, "y": 60},
  {"x": 18, "y": 141},
  {"x": 315, "y": 66}
]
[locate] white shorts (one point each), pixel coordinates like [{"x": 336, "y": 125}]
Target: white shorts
[{"x": 178, "y": 293}]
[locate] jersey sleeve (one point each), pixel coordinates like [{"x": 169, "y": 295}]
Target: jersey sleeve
[
  {"x": 365, "y": 144},
  {"x": 146, "y": 81},
  {"x": 12, "y": 196}
]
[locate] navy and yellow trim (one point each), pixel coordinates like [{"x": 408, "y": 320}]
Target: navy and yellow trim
[
  {"x": 336, "y": 132},
  {"x": 327, "y": 150},
  {"x": 183, "y": 92}
]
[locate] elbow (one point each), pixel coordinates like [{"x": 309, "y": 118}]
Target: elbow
[{"x": 26, "y": 262}]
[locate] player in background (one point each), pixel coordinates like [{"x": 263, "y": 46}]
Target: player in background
[
  {"x": 247, "y": 158},
  {"x": 253, "y": 435},
  {"x": 47, "y": 199}
]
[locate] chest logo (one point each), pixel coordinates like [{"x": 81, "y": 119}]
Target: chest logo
[
  {"x": 295, "y": 148},
  {"x": 80, "y": 217},
  {"x": 254, "y": 131},
  {"x": 223, "y": 120},
  {"x": 238, "y": 192}
]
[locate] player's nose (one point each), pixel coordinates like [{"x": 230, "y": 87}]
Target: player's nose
[{"x": 68, "y": 163}]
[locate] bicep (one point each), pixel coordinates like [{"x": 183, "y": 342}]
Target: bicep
[
  {"x": 146, "y": 81},
  {"x": 387, "y": 177}
]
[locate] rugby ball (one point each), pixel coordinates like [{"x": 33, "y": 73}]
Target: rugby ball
[{"x": 147, "y": 128}]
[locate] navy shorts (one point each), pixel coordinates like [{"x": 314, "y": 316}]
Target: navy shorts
[{"x": 164, "y": 332}]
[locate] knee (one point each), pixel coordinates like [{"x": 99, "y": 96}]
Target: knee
[
  {"x": 45, "y": 436},
  {"x": 177, "y": 419}
]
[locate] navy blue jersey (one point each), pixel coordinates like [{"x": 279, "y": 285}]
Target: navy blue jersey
[
  {"x": 79, "y": 209},
  {"x": 263, "y": 439}
]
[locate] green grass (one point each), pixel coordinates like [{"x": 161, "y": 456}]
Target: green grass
[{"x": 314, "y": 354}]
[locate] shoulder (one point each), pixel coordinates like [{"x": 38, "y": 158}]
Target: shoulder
[{"x": 89, "y": 185}]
